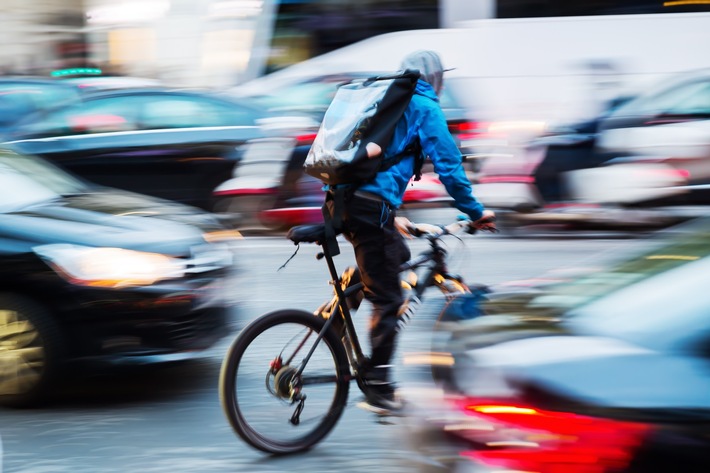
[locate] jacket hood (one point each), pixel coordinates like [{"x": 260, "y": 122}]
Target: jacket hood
[{"x": 429, "y": 65}]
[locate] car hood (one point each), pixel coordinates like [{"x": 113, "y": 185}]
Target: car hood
[
  {"x": 119, "y": 202},
  {"x": 108, "y": 218},
  {"x": 597, "y": 372}
]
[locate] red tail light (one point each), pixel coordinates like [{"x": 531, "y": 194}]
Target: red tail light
[
  {"x": 523, "y": 438},
  {"x": 468, "y": 130},
  {"x": 680, "y": 174},
  {"x": 305, "y": 139}
]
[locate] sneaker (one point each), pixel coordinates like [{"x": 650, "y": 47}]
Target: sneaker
[{"x": 380, "y": 398}]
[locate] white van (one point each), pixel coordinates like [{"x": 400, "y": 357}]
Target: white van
[{"x": 533, "y": 69}]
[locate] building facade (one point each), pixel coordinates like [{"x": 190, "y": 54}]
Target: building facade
[
  {"x": 40, "y": 35},
  {"x": 221, "y": 43},
  {"x": 203, "y": 43}
]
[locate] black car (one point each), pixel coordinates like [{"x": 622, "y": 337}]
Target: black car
[
  {"x": 604, "y": 371},
  {"x": 23, "y": 96},
  {"x": 176, "y": 145},
  {"x": 99, "y": 275}
]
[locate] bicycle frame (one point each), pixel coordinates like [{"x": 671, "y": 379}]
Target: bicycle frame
[
  {"x": 437, "y": 274},
  {"x": 330, "y": 327}
]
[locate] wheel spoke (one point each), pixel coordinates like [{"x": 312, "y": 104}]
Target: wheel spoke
[
  {"x": 299, "y": 346},
  {"x": 21, "y": 355},
  {"x": 17, "y": 373}
]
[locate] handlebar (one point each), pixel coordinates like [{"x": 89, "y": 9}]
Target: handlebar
[{"x": 486, "y": 223}]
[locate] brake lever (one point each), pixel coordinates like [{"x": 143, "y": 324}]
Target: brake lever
[{"x": 483, "y": 225}]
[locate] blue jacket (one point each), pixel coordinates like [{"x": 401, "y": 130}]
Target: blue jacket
[{"x": 425, "y": 119}]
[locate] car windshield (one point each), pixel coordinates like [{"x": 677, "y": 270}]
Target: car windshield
[
  {"x": 27, "y": 180},
  {"x": 657, "y": 299},
  {"x": 684, "y": 96}
]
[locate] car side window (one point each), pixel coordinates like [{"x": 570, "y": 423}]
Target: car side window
[
  {"x": 12, "y": 105},
  {"x": 105, "y": 115},
  {"x": 304, "y": 95},
  {"x": 446, "y": 98},
  {"x": 169, "y": 112},
  {"x": 685, "y": 99},
  {"x": 189, "y": 112},
  {"x": 18, "y": 100},
  {"x": 697, "y": 103}
]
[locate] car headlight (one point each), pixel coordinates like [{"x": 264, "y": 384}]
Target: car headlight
[{"x": 109, "y": 267}]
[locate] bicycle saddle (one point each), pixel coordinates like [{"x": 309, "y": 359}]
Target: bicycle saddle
[{"x": 307, "y": 233}]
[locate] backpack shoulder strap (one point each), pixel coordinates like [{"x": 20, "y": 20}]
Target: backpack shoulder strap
[
  {"x": 334, "y": 219},
  {"x": 413, "y": 149}
]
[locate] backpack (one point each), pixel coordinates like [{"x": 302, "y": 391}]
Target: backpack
[{"x": 358, "y": 127}]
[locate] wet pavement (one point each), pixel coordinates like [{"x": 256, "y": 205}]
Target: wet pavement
[{"x": 169, "y": 419}]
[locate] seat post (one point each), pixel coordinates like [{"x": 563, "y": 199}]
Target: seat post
[
  {"x": 360, "y": 358},
  {"x": 331, "y": 267}
]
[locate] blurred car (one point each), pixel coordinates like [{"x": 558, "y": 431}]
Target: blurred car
[
  {"x": 606, "y": 370},
  {"x": 312, "y": 96},
  {"x": 567, "y": 148},
  {"x": 269, "y": 189},
  {"x": 271, "y": 192},
  {"x": 23, "y": 96},
  {"x": 535, "y": 175},
  {"x": 665, "y": 129},
  {"x": 670, "y": 124},
  {"x": 175, "y": 145},
  {"x": 560, "y": 178},
  {"x": 102, "y": 276}
]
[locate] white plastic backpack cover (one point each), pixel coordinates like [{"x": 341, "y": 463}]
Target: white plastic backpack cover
[{"x": 358, "y": 127}]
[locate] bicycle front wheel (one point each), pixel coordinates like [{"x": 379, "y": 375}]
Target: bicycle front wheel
[{"x": 273, "y": 401}]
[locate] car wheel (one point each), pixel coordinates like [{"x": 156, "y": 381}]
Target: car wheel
[{"x": 30, "y": 351}]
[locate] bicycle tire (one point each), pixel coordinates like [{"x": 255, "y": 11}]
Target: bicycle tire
[{"x": 235, "y": 407}]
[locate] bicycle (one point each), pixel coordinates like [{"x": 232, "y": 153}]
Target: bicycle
[{"x": 329, "y": 362}]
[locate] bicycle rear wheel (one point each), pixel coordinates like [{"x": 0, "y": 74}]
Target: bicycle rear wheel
[{"x": 269, "y": 405}]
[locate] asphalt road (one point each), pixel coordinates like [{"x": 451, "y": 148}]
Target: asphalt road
[{"x": 170, "y": 420}]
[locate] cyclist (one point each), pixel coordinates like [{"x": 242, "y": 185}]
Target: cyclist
[{"x": 368, "y": 220}]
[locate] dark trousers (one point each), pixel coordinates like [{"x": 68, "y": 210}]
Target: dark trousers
[{"x": 379, "y": 251}]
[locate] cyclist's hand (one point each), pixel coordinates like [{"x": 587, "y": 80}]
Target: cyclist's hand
[
  {"x": 487, "y": 223},
  {"x": 404, "y": 226}
]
